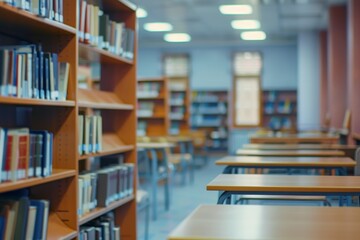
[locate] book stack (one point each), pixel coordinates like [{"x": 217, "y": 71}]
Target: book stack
[
  {"x": 23, "y": 218},
  {"x": 141, "y": 128},
  {"x": 177, "y": 98},
  {"x": 177, "y": 113},
  {"x": 50, "y": 9},
  {"x": 96, "y": 29},
  {"x": 175, "y": 128},
  {"x": 28, "y": 72},
  {"x": 145, "y": 109},
  {"x": 101, "y": 228},
  {"x": 148, "y": 89},
  {"x": 25, "y": 154},
  {"x": 90, "y": 134},
  {"x": 87, "y": 189},
  {"x": 101, "y": 188}
]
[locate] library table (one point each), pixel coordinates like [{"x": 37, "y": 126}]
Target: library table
[
  {"x": 152, "y": 148},
  {"x": 308, "y": 185},
  {"x": 232, "y": 163},
  {"x": 229, "y": 222},
  {"x": 289, "y": 153},
  {"x": 295, "y": 138},
  {"x": 349, "y": 150}
]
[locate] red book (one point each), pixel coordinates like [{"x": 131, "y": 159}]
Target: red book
[
  {"x": 23, "y": 156},
  {"x": 9, "y": 143}
]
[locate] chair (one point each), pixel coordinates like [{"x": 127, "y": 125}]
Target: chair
[
  {"x": 156, "y": 163},
  {"x": 199, "y": 143},
  {"x": 142, "y": 199}
]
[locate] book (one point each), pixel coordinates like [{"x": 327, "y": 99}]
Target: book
[
  {"x": 31, "y": 223},
  {"x": 64, "y": 70}
]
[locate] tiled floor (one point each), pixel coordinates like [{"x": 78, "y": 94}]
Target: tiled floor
[{"x": 184, "y": 199}]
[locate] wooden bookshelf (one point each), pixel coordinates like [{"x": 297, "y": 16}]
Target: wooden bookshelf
[
  {"x": 115, "y": 99},
  {"x": 153, "y": 107},
  {"x": 179, "y": 105},
  {"x": 280, "y": 110},
  {"x": 209, "y": 112}
]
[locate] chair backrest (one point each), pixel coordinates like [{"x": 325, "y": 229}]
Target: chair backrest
[
  {"x": 347, "y": 119},
  {"x": 357, "y": 159}
]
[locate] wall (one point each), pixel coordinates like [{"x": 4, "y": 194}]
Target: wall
[
  {"x": 308, "y": 81},
  {"x": 211, "y": 67}
]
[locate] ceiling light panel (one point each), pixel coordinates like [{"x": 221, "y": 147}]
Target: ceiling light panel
[
  {"x": 235, "y": 9},
  {"x": 141, "y": 13},
  {"x": 177, "y": 37},
  {"x": 158, "y": 27},
  {"x": 253, "y": 35},
  {"x": 245, "y": 24}
]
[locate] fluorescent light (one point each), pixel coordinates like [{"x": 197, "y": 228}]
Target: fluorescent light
[
  {"x": 235, "y": 9},
  {"x": 158, "y": 27},
  {"x": 253, "y": 35},
  {"x": 177, "y": 37},
  {"x": 245, "y": 24},
  {"x": 141, "y": 13}
]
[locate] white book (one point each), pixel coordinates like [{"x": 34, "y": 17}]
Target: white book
[
  {"x": 80, "y": 199},
  {"x": 46, "y": 217},
  {"x": 99, "y": 134},
  {"x": 29, "y": 75},
  {"x": 30, "y": 228},
  {"x": 81, "y": 133},
  {"x": 93, "y": 134},
  {"x": 116, "y": 233},
  {"x": 64, "y": 69}
]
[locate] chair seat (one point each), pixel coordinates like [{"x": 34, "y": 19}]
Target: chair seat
[
  {"x": 141, "y": 196},
  {"x": 177, "y": 157}
]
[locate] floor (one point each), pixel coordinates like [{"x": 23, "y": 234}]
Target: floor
[{"x": 184, "y": 199}]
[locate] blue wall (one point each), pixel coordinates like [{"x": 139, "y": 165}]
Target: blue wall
[{"x": 211, "y": 67}]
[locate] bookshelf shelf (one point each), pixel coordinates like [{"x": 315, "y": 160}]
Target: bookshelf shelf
[
  {"x": 210, "y": 114},
  {"x": 120, "y": 5},
  {"x": 153, "y": 107},
  {"x": 27, "y": 24},
  {"x": 58, "y": 230},
  {"x": 88, "y": 53},
  {"x": 57, "y": 174},
  {"x": 279, "y": 109},
  {"x": 101, "y": 100},
  {"x": 36, "y": 102},
  {"x": 112, "y": 144},
  {"x": 100, "y": 211}
]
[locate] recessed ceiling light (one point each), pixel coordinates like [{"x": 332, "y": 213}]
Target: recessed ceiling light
[
  {"x": 177, "y": 37},
  {"x": 235, "y": 9},
  {"x": 245, "y": 24},
  {"x": 141, "y": 13},
  {"x": 253, "y": 35},
  {"x": 158, "y": 27}
]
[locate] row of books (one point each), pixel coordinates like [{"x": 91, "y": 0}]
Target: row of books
[
  {"x": 281, "y": 107},
  {"x": 145, "y": 109},
  {"x": 102, "y": 228},
  {"x": 207, "y": 97},
  {"x": 177, "y": 112},
  {"x": 90, "y": 134},
  {"x": 101, "y": 188},
  {"x": 277, "y": 123},
  {"x": 25, "y": 154},
  {"x": 211, "y": 120},
  {"x": 148, "y": 89},
  {"x": 96, "y": 29},
  {"x": 141, "y": 128},
  {"x": 50, "y": 9},
  {"x": 28, "y": 72},
  {"x": 209, "y": 109},
  {"x": 177, "y": 86},
  {"x": 177, "y": 98},
  {"x": 175, "y": 128},
  {"x": 23, "y": 218}
]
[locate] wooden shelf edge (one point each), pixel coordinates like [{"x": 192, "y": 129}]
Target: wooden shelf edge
[
  {"x": 36, "y": 102},
  {"x": 101, "y": 52},
  {"x": 58, "y": 174},
  {"x": 94, "y": 105},
  {"x": 156, "y": 79},
  {"x": 120, "y": 149},
  {"x": 25, "y": 14},
  {"x": 58, "y": 230},
  {"x": 100, "y": 211}
]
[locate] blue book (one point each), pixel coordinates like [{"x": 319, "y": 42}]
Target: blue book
[
  {"x": 42, "y": 212},
  {"x": 2, "y": 227}
]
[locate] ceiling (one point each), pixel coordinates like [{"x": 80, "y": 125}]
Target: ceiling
[{"x": 280, "y": 19}]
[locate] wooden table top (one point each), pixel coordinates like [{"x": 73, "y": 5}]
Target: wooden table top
[
  {"x": 229, "y": 222},
  {"x": 299, "y": 146},
  {"x": 155, "y": 145},
  {"x": 257, "y": 161},
  {"x": 294, "y": 138},
  {"x": 290, "y": 153},
  {"x": 284, "y": 183}
]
